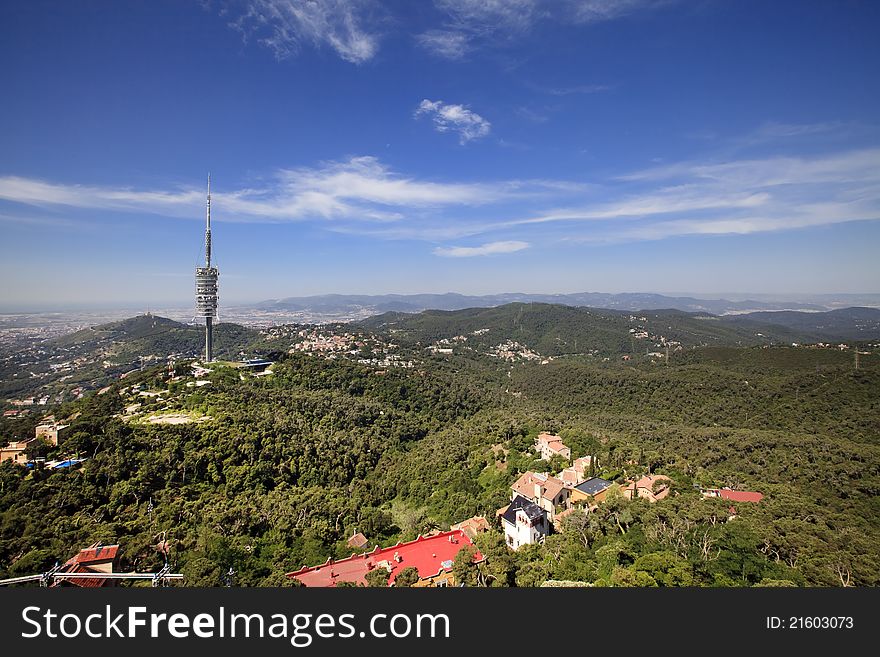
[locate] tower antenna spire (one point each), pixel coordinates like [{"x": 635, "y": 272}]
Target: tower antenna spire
[{"x": 208, "y": 225}]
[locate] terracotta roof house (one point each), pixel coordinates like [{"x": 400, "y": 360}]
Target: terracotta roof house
[
  {"x": 96, "y": 559},
  {"x": 472, "y": 526},
  {"x": 577, "y": 471},
  {"x": 550, "y": 445},
  {"x": 734, "y": 495},
  {"x": 432, "y": 556},
  {"x": 357, "y": 541},
  {"x": 570, "y": 477},
  {"x": 542, "y": 489},
  {"x": 645, "y": 488},
  {"x": 740, "y": 495}
]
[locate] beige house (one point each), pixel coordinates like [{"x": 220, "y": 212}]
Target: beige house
[
  {"x": 547, "y": 492},
  {"x": 15, "y": 452},
  {"x": 649, "y": 487},
  {"x": 549, "y": 445},
  {"x": 50, "y": 432},
  {"x": 578, "y": 471}
]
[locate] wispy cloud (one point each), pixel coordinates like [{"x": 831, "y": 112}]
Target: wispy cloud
[
  {"x": 739, "y": 197},
  {"x": 492, "y": 248},
  {"x": 53, "y": 222},
  {"x": 41, "y": 193},
  {"x": 472, "y": 23},
  {"x": 285, "y": 26},
  {"x": 490, "y": 16},
  {"x": 597, "y": 11},
  {"x": 447, "y": 44},
  {"x": 359, "y": 189},
  {"x": 353, "y": 28},
  {"x": 454, "y": 118},
  {"x": 363, "y": 196},
  {"x": 575, "y": 89}
]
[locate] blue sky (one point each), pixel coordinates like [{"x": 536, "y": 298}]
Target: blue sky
[{"x": 477, "y": 146}]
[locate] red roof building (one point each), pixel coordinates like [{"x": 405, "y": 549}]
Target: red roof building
[
  {"x": 432, "y": 556},
  {"x": 97, "y": 559},
  {"x": 740, "y": 495}
]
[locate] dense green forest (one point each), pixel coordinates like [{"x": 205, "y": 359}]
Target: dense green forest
[{"x": 276, "y": 472}]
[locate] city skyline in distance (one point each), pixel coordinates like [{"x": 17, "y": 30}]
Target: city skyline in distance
[{"x": 545, "y": 154}]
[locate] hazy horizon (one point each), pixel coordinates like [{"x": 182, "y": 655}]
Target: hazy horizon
[{"x": 60, "y": 307}]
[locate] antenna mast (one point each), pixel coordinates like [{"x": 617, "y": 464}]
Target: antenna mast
[{"x": 208, "y": 226}]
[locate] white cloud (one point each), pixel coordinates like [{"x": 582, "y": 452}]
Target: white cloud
[
  {"x": 285, "y": 25},
  {"x": 578, "y": 89},
  {"x": 597, "y": 11},
  {"x": 361, "y": 195},
  {"x": 457, "y": 118},
  {"x": 845, "y": 167},
  {"x": 490, "y": 15},
  {"x": 491, "y": 248},
  {"x": 358, "y": 189},
  {"x": 739, "y": 197},
  {"x": 447, "y": 44},
  {"x": 352, "y": 28},
  {"x": 471, "y": 23}
]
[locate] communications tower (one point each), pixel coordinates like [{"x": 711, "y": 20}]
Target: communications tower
[{"x": 206, "y": 285}]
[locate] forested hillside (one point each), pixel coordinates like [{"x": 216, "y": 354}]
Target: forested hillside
[{"x": 265, "y": 474}]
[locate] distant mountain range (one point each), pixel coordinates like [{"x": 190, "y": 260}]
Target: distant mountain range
[
  {"x": 633, "y": 301},
  {"x": 843, "y": 324}
]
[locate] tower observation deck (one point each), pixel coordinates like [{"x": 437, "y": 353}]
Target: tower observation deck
[{"x": 207, "y": 298}]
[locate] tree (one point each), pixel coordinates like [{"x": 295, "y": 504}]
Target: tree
[
  {"x": 630, "y": 577},
  {"x": 666, "y": 569},
  {"x": 499, "y": 566},
  {"x": 38, "y": 448},
  {"x": 463, "y": 567},
  {"x": 407, "y": 577},
  {"x": 377, "y": 578}
]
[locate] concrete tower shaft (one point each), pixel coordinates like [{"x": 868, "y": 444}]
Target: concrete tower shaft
[{"x": 207, "y": 299}]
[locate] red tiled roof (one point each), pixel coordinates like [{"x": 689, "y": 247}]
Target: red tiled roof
[
  {"x": 740, "y": 495},
  {"x": 84, "y": 582},
  {"x": 94, "y": 554},
  {"x": 430, "y": 556},
  {"x": 81, "y": 562},
  {"x": 472, "y": 526},
  {"x": 525, "y": 485}
]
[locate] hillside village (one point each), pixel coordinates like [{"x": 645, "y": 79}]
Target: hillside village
[{"x": 539, "y": 505}]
